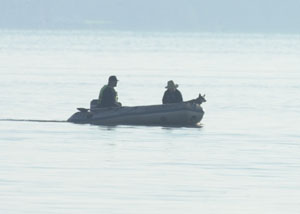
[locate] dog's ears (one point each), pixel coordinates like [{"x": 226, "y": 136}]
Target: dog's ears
[{"x": 201, "y": 95}]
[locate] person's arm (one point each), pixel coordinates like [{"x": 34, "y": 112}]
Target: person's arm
[
  {"x": 179, "y": 96},
  {"x": 115, "y": 98},
  {"x": 112, "y": 97},
  {"x": 165, "y": 99},
  {"x": 108, "y": 98}
]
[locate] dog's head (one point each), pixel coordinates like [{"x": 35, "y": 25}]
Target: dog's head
[{"x": 200, "y": 99}]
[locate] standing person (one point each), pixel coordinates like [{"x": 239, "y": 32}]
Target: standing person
[
  {"x": 172, "y": 94},
  {"x": 108, "y": 97}
]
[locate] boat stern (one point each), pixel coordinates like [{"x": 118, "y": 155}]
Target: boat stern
[{"x": 80, "y": 117}]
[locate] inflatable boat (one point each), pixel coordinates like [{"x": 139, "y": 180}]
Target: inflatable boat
[{"x": 187, "y": 113}]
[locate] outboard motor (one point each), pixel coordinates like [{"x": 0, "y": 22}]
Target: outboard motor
[{"x": 93, "y": 104}]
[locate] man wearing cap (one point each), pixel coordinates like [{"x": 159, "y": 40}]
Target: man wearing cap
[
  {"x": 108, "y": 97},
  {"x": 172, "y": 94}
]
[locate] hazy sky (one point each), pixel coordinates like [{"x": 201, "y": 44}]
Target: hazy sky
[{"x": 154, "y": 15}]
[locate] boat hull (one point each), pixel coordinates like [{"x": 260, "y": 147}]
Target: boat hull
[{"x": 181, "y": 114}]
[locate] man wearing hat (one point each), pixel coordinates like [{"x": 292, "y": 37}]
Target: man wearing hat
[
  {"x": 108, "y": 97},
  {"x": 172, "y": 94}
]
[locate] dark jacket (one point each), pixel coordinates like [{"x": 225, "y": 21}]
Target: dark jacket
[
  {"x": 108, "y": 97},
  {"x": 172, "y": 97}
]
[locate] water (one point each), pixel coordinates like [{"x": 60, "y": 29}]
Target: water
[{"x": 243, "y": 159}]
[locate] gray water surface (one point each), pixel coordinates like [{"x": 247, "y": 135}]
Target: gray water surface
[{"x": 244, "y": 158}]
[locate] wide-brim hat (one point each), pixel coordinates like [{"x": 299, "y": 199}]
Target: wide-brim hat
[
  {"x": 112, "y": 78},
  {"x": 171, "y": 84}
]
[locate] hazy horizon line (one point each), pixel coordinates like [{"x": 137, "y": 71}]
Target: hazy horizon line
[{"x": 147, "y": 31}]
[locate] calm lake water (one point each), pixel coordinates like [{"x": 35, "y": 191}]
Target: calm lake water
[{"x": 245, "y": 157}]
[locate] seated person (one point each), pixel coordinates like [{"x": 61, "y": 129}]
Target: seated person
[
  {"x": 172, "y": 94},
  {"x": 108, "y": 97}
]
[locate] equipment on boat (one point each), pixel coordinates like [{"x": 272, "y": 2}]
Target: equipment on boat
[{"x": 178, "y": 114}]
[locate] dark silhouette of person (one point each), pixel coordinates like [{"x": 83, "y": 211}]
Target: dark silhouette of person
[
  {"x": 108, "y": 96},
  {"x": 172, "y": 94}
]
